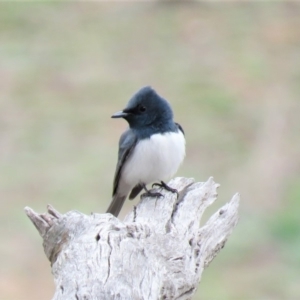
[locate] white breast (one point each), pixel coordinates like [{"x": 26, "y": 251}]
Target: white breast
[{"x": 155, "y": 159}]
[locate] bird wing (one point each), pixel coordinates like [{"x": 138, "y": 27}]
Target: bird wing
[
  {"x": 180, "y": 128},
  {"x": 127, "y": 143}
]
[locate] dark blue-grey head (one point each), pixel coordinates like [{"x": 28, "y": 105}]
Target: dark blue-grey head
[{"x": 147, "y": 109}]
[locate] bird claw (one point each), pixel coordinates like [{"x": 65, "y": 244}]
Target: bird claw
[
  {"x": 156, "y": 184},
  {"x": 151, "y": 194},
  {"x": 163, "y": 185}
]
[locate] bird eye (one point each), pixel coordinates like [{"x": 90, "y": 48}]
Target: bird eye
[{"x": 142, "y": 108}]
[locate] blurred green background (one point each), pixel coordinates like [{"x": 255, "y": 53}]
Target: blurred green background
[{"x": 232, "y": 74}]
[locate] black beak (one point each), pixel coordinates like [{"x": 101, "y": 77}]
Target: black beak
[{"x": 120, "y": 114}]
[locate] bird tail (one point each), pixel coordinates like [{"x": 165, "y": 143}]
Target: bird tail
[{"x": 116, "y": 205}]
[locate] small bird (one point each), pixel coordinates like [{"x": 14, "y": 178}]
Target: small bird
[{"x": 151, "y": 149}]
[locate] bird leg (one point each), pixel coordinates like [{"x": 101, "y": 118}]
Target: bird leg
[
  {"x": 163, "y": 185},
  {"x": 149, "y": 193}
]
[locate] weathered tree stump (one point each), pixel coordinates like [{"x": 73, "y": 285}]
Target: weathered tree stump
[{"x": 157, "y": 252}]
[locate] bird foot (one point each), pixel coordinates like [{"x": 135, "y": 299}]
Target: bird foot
[
  {"x": 163, "y": 185},
  {"x": 151, "y": 194}
]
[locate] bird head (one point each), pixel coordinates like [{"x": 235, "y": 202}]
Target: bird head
[{"x": 146, "y": 108}]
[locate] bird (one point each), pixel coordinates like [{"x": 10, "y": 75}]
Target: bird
[{"x": 151, "y": 149}]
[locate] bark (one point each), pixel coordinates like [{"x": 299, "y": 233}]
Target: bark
[{"x": 157, "y": 252}]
